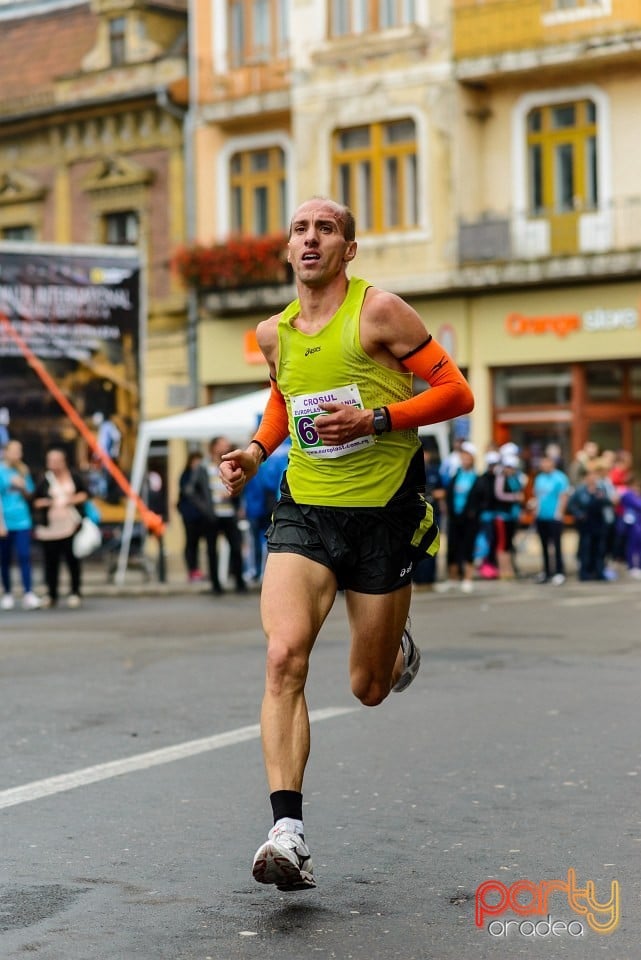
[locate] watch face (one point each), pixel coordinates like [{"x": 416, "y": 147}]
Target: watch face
[{"x": 380, "y": 421}]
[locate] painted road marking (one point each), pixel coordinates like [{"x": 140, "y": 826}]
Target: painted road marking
[{"x": 144, "y": 761}]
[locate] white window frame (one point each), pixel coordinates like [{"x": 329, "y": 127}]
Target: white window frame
[
  {"x": 219, "y": 28},
  {"x": 422, "y": 230},
  {"x": 531, "y": 237}
]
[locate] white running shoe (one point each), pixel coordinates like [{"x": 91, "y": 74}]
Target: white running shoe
[
  {"x": 411, "y": 660},
  {"x": 30, "y": 601},
  {"x": 284, "y": 860},
  {"x": 7, "y": 602}
]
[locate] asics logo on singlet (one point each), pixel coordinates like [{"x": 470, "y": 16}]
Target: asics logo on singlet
[{"x": 311, "y": 350}]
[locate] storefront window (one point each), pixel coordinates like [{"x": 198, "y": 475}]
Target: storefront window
[
  {"x": 607, "y": 434},
  {"x": 604, "y": 381},
  {"x": 635, "y": 382},
  {"x": 532, "y": 387}
]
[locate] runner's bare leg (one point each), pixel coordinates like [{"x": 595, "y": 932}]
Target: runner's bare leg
[
  {"x": 376, "y": 622},
  {"x": 296, "y": 597}
]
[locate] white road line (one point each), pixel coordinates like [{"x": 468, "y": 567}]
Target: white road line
[{"x": 143, "y": 761}]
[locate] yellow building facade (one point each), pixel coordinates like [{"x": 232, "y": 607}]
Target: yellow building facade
[
  {"x": 548, "y": 233},
  {"x": 487, "y": 150}
]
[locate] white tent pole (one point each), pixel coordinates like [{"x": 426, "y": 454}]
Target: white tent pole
[{"x": 137, "y": 475}]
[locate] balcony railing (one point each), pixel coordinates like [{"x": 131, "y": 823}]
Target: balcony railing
[
  {"x": 249, "y": 80},
  {"x": 494, "y": 238},
  {"x": 489, "y": 27}
]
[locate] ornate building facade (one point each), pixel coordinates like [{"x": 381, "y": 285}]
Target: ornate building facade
[
  {"x": 91, "y": 150},
  {"x": 487, "y": 150}
]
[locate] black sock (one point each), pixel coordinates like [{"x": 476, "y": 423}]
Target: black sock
[{"x": 287, "y": 803}]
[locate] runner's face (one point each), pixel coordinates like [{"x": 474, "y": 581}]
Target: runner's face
[{"x": 317, "y": 249}]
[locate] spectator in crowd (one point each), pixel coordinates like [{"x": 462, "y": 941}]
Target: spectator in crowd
[
  {"x": 95, "y": 478},
  {"x": 486, "y": 538},
  {"x": 199, "y": 520},
  {"x": 550, "y": 496},
  {"x": 462, "y": 522},
  {"x": 603, "y": 468},
  {"x": 258, "y": 503},
  {"x": 59, "y": 504},
  {"x": 554, "y": 452},
  {"x": 607, "y": 461},
  {"x": 582, "y": 462},
  {"x": 109, "y": 439},
  {"x": 630, "y": 502},
  {"x": 109, "y": 435},
  {"x": 592, "y": 509},
  {"x": 16, "y": 492},
  {"x": 620, "y": 475},
  {"x": 4, "y": 428},
  {"x": 275, "y": 467},
  {"x": 226, "y": 510},
  {"x": 509, "y": 490},
  {"x": 452, "y": 461},
  {"x": 509, "y": 449},
  {"x": 155, "y": 493}
]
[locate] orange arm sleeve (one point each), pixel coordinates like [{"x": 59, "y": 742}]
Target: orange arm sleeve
[
  {"x": 274, "y": 426},
  {"x": 449, "y": 395}
]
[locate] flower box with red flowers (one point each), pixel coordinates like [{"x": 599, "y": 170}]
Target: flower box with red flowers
[{"x": 239, "y": 263}]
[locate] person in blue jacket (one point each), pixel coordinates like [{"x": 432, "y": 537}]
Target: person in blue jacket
[
  {"x": 551, "y": 491},
  {"x": 259, "y": 497},
  {"x": 16, "y": 492}
]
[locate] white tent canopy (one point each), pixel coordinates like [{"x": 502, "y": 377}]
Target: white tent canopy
[{"x": 236, "y": 419}]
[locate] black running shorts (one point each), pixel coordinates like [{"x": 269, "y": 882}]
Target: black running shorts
[{"x": 369, "y": 549}]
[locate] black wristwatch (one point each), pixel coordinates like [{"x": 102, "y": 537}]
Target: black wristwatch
[{"x": 381, "y": 421}]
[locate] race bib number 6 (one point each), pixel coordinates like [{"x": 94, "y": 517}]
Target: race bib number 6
[{"x": 305, "y": 409}]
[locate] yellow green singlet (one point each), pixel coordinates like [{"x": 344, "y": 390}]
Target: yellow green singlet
[{"x": 314, "y": 367}]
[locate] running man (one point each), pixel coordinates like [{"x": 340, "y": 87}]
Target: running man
[{"x": 352, "y": 515}]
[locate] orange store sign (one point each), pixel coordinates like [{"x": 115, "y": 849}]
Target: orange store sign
[
  {"x": 251, "y": 351},
  {"x": 561, "y": 324}
]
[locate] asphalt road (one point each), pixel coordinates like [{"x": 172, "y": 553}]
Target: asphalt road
[{"x": 515, "y": 756}]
